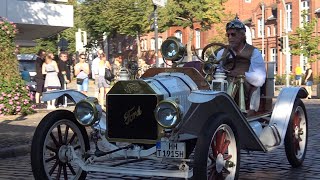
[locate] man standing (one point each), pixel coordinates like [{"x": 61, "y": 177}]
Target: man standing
[
  {"x": 64, "y": 76},
  {"x": 39, "y": 77},
  {"x": 95, "y": 72}
]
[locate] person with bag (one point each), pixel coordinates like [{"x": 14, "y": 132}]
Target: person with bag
[
  {"x": 81, "y": 70},
  {"x": 103, "y": 83}
]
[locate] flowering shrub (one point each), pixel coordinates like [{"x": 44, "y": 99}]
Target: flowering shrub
[
  {"x": 14, "y": 96},
  {"x": 7, "y": 33}
]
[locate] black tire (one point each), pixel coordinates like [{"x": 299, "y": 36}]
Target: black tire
[
  {"x": 50, "y": 137},
  {"x": 220, "y": 127},
  {"x": 296, "y": 138}
]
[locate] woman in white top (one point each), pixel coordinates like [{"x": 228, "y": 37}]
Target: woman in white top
[
  {"x": 103, "y": 84},
  {"x": 52, "y": 82},
  {"x": 81, "y": 70}
]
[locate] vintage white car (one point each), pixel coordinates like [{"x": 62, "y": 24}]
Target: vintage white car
[{"x": 180, "y": 116}]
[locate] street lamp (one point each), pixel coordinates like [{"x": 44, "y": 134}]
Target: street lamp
[{"x": 157, "y": 3}]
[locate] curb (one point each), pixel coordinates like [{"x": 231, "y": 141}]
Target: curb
[{"x": 15, "y": 151}]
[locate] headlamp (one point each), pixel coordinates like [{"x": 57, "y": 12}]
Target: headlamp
[
  {"x": 168, "y": 114},
  {"x": 88, "y": 111},
  {"x": 172, "y": 49}
]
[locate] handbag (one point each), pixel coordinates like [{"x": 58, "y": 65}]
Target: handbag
[
  {"x": 79, "y": 81},
  {"x": 108, "y": 75}
]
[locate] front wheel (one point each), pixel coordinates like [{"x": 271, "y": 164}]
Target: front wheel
[
  {"x": 297, "y": 135},
  {"x": 57, "y": 131},
  {"x": 217, "y": 153}
]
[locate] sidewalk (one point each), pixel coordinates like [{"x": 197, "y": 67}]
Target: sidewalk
[{"x": 16, "y": 131}]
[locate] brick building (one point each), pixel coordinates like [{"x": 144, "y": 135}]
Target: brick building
[{"x": 266, "y": 21}]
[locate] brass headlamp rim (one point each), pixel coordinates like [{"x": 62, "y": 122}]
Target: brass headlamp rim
[{"x": 176, "y": 106}]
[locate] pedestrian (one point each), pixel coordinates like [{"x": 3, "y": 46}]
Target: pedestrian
[
  {"x": 309, "y": 80},
  {"x": 39, "y": 77},
  {"x": 95, "y": 72},
  {"x": 52, "y": 82},
  {"x": 81, "y": 70},
  {"x": 64, "y": 76},
  {"x": 298, "y": 73},
  {"x": 103, "y": 84}
]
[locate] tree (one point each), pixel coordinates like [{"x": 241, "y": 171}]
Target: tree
[
  {"x": 129, "y": 17},
  {"x": 94, "y": 20},
  {"x": 186, "y": 13},
  {"x": 303, "y": 41}
]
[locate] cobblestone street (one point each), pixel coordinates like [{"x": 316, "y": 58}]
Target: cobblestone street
[{"x": 254, "y": 165}]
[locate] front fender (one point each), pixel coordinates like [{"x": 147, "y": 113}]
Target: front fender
[
  {"x": 73, "y": 95},
  {"x": 283, "y": 108},
  {"x": 206, "y": 104}
]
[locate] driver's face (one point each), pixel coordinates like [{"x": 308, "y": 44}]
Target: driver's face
[{"x": 235, "y": 38}]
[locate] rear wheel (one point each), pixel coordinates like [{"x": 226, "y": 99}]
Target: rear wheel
[
  {"x": 217, "y": 153},
  {"x": 297, "y": 135},
  {"x": 50, "y": 142}
]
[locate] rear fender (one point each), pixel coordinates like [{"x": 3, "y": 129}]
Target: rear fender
[
  {"x": 282, "y": 110},
  {"x": 73, "y": 95},
  {"x": 207, "y": 104}
]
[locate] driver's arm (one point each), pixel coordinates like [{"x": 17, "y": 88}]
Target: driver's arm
[{"x": 256, "y": 75}]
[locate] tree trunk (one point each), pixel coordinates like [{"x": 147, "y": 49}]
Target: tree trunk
[
  {"x": 138, "y": 46},
  {"x": 189, "y": 44}
]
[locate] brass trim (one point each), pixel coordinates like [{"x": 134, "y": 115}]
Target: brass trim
[
  {"x": 92, "y": 102},
  {"x": 177, "y": 108}
]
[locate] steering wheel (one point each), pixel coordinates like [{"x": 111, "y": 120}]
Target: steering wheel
[{"x": 210, "y": 52}]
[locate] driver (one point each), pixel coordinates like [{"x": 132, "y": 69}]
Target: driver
[{"x": 248, "y": 62}]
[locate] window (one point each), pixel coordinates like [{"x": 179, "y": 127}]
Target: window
[
  {"x": 268, "y": 31},
  {"x": 119, "y": 47},
  {"x": 274, "y": 30},
  {"x": 198, "y": 37},
  {"x": 152, "y": 44},
  {"x": 260, "y": 27},
  {"x": 178, "y": 35},
  {"x": 159, "y": 42},
  {"x": 274, "y": 58},
  {"x": 253, "y": 33},
  {"x": 305, "y": 7},
  {"x": 303, "y": 61},
  {"x": 145, "y": 44},
  {"x": 289, "y": 16}
]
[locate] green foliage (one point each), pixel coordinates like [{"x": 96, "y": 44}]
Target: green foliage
[
  {"x": 14, "y": 97},
  {"x": 281, "y": 79},
  {"x": 186, "y": 13},
  {"x": 91, "y": 13},
  {"x": 304, "y": 42}
]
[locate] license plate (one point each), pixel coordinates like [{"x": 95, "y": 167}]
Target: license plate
[{"x": 171, "y": 149}]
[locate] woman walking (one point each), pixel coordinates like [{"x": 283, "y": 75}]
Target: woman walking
[
  {"x": 81, "y": 70},
  {"x": 103, "y": 84},
  {"x": 51, "y": 82}
]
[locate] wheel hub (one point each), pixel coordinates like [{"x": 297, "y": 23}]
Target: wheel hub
[
  {"x": 219, "y": 163},
  {"x": 62, "y": 153}
]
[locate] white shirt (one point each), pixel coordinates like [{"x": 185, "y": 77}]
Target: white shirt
[
  {"x": 95, "y": 67},
  {"x": 256, "y": 74}
]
